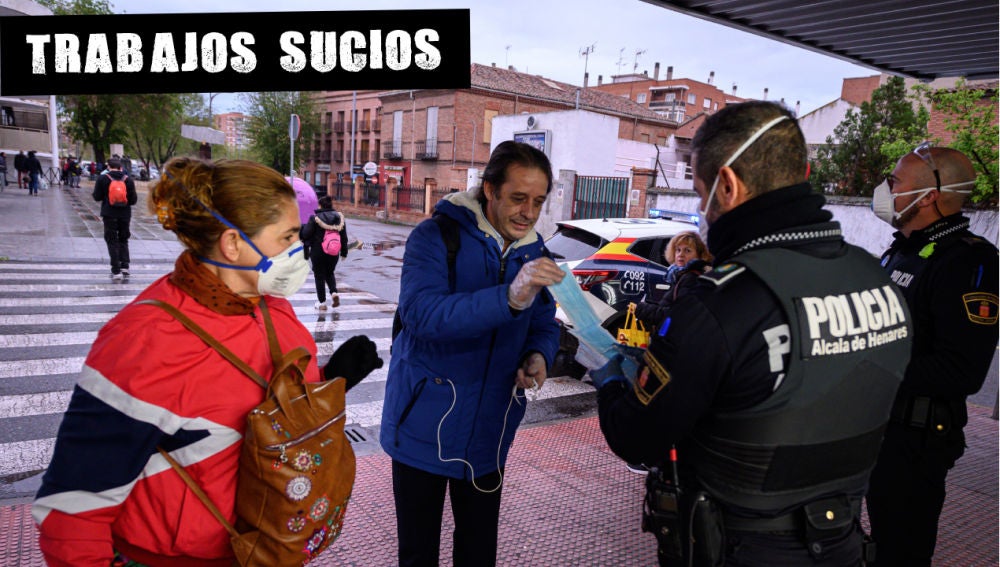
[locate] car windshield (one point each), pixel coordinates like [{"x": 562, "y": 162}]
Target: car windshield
[{"x": 570, "y": 243}]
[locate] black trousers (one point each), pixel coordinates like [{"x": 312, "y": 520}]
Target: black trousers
[
  {"x": 116, "y": 234},
  {"x": 773, "y": 550},
  {"x": 906, "y": 493},
  {"x": 324, "y": 266},
  {"x": 419, "y": 497}
]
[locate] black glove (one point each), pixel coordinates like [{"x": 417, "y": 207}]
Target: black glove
[
  {"x": 354, "y": 360},
  {"x": 610, "y": 372}
]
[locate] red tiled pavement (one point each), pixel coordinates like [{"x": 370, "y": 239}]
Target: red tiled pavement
[{"x": 569, "y": 501}]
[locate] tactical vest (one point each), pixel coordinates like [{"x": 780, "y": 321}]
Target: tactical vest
[{"x": 818, "y": 434}]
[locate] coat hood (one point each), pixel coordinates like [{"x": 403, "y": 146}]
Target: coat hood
[{"x": 329, "y": 220}]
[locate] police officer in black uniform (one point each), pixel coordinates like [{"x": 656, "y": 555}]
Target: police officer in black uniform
[
  {"x": 765, "y": 392},
  {"x": 949, "y": 278}
]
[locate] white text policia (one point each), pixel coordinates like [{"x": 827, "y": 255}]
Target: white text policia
[{"x": 840, "y": 324}]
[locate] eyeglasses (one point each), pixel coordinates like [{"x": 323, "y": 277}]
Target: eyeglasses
[{"x": 923, "y": 151}]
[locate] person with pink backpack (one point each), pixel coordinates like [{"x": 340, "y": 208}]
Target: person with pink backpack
[{"x": 325, "y": 237}]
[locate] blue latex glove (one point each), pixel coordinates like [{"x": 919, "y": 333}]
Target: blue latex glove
[{"x": 610, "y": 372}]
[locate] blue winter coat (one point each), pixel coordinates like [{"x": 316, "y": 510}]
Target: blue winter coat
[{"x": 448, "y": 397}]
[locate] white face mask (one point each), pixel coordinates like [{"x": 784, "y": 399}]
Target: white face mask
[
  {"x": 884, "y": 200},
  {"x": 739, "y": 151},
  {"x": 284, "y": 274}
]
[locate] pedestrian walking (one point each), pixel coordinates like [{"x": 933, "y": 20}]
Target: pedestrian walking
[
  {"x": 19, "y": 169},
  {"x": 110, "y": 496},
  {"x": 3, "y": 170},
  {"x": 762, "y": 398},
  {"x": 325, "y": 238},
  {"x": 33, "y": 168},
  {"x": 116, "y": 193},
  {"x": 949, "y": 277},
  {"x": 475, "y": 333}
]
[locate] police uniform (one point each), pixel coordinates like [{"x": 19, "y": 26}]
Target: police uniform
[
  {"x": 949, "y": 278},
  {"x": 773, "y": 379}
]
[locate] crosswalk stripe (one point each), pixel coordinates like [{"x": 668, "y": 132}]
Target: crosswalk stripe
[{"x": 82, "y": 294}]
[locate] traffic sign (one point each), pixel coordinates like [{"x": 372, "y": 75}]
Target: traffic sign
[
  {"x": 294, "y": 126},
  {"x": 371, "y": 168}
]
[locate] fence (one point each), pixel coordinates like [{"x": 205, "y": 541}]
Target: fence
[
  {"x": 409, "y": 198},
  {"x": 596, "y": 197}
]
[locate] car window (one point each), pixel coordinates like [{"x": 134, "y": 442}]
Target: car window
[
  {"x": 650, "y": 248},
  {"x": 570, "y": 243}
]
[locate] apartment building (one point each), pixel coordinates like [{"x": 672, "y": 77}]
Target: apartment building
[
  {"x": 434, "y": 137},
  {"x": 346, "y": 116},
  {"x": 678, "y": 100},
  {"x": 232, "y": 124}
]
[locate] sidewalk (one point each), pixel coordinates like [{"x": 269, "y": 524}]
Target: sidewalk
[{"x": 568, "y": 501}]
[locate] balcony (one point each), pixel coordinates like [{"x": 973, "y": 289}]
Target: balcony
[
  {"x": 426, "y": 149},
  {"x": 338, "y": 127},
  {"x": 338, "y": 155},
  {"x": 364, "y": 125},
  {"x": 325, "y": 157},
  {"x": 376, "y": 125},
  {"x": 667, "y": 105},
  {"x": 392, "y": 150}
]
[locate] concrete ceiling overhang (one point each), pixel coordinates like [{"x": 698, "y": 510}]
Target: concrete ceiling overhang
[{"x": 919, "y": 39}]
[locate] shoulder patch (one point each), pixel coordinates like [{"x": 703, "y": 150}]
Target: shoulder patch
[
  {"x": 651, "y": 380},
  {"x": 981, "y": 308},
  {"x": 723, "y": 274}
]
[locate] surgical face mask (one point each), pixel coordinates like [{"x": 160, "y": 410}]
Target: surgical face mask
[
  {"x": 703, "y": 228},
  {"x": 739, "y": 151},
  {"x": 884, "y": 200}
]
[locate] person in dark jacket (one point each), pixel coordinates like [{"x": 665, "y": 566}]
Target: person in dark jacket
[
  {"x": 688, "y": 258},
  {"x": 324, "y": 265},
  {"x": 949, "y": 277},
  {"x": 455, "y": 391},
  {"x": 117, "y": 218},
  {"x": 19, "y": 168},
  {"x": 33, "y": 168},
  {"x": 763, "y": 397}
]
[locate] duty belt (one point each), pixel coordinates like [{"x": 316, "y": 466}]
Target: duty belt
[
  {"x": 829, "y": 513},
  {"x": 922, "y": 412}
]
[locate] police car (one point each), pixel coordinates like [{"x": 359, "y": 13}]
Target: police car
[{"x": 617, "y": 261}]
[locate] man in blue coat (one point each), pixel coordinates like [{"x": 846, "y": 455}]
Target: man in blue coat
[{"x": 467, "y": 350}]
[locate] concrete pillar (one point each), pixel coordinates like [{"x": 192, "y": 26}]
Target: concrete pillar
[
  {"x": 428, "y": 205},
  {"x": 642, "y": 179}
]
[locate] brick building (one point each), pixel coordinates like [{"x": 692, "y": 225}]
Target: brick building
[
  {"x": 433, "y": 137},
  {"x": 329, "y": 154},
  {"x": 232, "y": 125},
  {"x": 676, "y": 99}
]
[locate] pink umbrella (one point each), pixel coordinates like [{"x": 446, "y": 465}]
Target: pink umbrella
[{"x": 306, "y": 197}]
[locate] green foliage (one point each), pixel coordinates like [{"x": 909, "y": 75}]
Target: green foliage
[
  {"x": 154, "y": 124},
  {"x": 970, "y": 116},
  {"x": 77, "y": 7},
  {"x": 866, "y": 145},
  {"x": 268, "y": 115},
  {"x": 94, "y": 120}
]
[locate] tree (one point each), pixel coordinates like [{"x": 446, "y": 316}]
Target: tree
[
  {"x": 268, "y": 114},
  {"x": 154, "y": 124},
  {"x": 969, "y": 114},
  {"x": 866, "y": 145}
]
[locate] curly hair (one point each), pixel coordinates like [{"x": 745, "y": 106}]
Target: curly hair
[
  {"x": 693, "y": 240},
  {"x": 245, "y": 193}
]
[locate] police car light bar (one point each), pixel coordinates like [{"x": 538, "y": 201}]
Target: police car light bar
[{"x": 673, "y": 215}]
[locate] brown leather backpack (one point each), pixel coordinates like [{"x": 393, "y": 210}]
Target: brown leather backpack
[{"x": 296, "y": 468}]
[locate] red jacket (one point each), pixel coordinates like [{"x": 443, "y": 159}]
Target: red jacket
[{"x": 149, "y": 382}]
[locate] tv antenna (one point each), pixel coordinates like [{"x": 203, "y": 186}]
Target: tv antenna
[
  {"x": 585, "y": 53},
  {"x": 506, "y": 57},
  {"x": 621, "y": 52},
  {"x": 635, "y": 65}
]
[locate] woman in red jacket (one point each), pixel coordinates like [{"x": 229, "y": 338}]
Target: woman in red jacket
[{"x": 148, "y": 382}]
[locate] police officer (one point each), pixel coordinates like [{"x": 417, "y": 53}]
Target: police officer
[
  {"x": 949, "y": 278},
  {"x": 765, "y": 392}
]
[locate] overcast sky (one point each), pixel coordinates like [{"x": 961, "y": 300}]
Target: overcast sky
[{"x": 546, "y": 37}]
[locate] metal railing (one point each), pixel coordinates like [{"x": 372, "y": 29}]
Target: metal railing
[
  {"x": 409, "y": 198},
  {"x": 425, "y": 149},
  {"x": 392, "y": 149}
]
